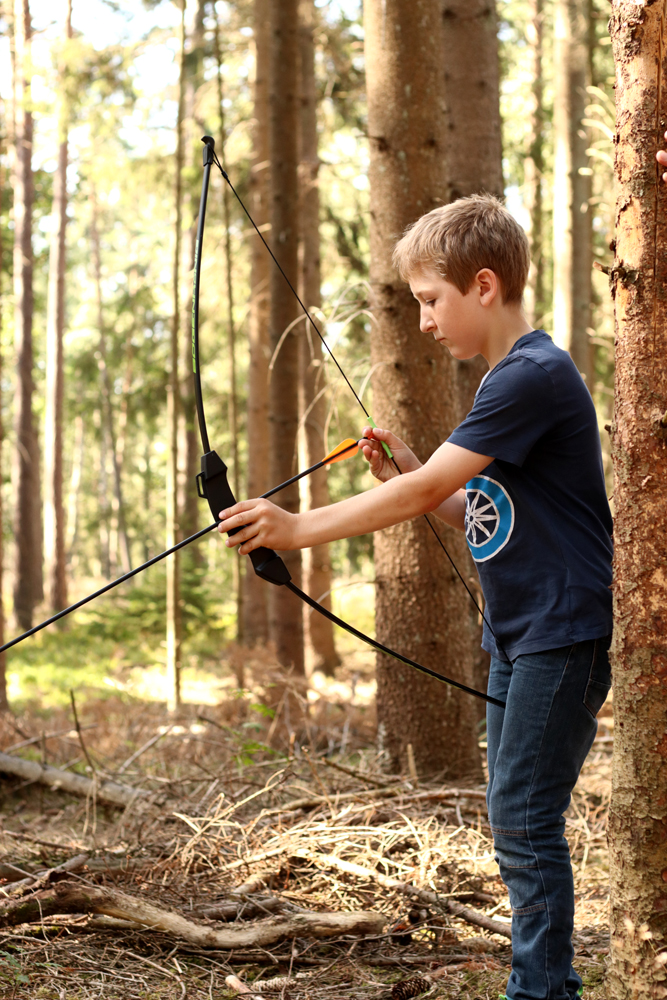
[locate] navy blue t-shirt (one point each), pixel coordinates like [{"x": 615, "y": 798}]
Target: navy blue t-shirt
[{"x": 538, "y": 522}]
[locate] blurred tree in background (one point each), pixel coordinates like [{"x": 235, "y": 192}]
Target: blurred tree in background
[{"x": 104, "y": 106}]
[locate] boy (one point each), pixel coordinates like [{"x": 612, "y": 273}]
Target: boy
[{"x": 522, "y": 475}]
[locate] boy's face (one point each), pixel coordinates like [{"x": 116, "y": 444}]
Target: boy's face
[{"x": 454, "y": 319}]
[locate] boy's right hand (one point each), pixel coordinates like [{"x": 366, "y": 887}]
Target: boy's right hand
[{"x": 381, "y": 466}]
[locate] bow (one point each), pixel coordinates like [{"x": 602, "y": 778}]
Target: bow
[{"x": 212, "y": 480}]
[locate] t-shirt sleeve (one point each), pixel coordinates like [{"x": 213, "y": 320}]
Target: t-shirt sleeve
[{"x": 513, "y": 408}]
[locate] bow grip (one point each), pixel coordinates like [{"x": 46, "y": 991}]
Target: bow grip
[{"x": 212, "y": 484}]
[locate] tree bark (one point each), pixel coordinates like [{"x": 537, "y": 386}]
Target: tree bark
[
  {"x": 255, "y": 593},
  {"x": 472, "y": 101},
  {"x": 419, "y": 603},
  {"x": 188, "y": 443},
  {"x": 54, "y": 512},
  {"x": 533, "y": 166},
  {"x": 173, "y": 399},
  {"x": 232, "y": 406},
  {"x": 25, "y": 477},
  {"x": 638, "y": 813},
  {"x": 4, "y": 704},
  {"x": 318, "y": 631},
  {"x": 572, "y": 238},
  {"x": 119, "y": 547},
  {"x": 70, "y": 897},
  {"x": 285, "y": 614}
]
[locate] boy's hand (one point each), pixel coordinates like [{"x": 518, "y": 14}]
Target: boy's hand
[
  {"x": 661, "y": 157},
  {"x": 381, "y": 466},
  {"x": 262, "y": 524}
]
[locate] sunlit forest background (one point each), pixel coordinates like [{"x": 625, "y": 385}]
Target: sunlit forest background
[{"x": 118, "y": 77}]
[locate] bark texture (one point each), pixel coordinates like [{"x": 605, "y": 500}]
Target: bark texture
[
  {"x": 638, "y": 814},
  {"x": 54, "y": 512},
  {"x": 419, "y": 603},
  {"x": 319, "y": 634},
  {"x": 255, "y": 597},
  {"x": 188, "y": 442},
  {"x": 572, "y": 247},
  {"x": 285, "y": 614},
  {"x": 4, "y": 705},
  {"x": 173, "y": 565},
  {"x": 533, "y": 166},
  {"x": 472, "y": 103},
  {"x": 70, "y": 897},
  {"x": 25, "y": 472}
]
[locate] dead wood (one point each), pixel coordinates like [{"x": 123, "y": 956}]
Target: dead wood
[
  {"x": 424, "y": 895},
  {"x": 231, "y": 909},
  {"x": 42, "y": 878},
  {"x": 109, "y": 792},
  {"x": 445, "y": 795},
  {"x": 76, "y": 898}
]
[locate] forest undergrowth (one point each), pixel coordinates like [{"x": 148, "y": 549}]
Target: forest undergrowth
[{"x": 239, "y": 826}]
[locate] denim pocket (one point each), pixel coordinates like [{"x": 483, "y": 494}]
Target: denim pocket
[{"x": 599, "y": 678}]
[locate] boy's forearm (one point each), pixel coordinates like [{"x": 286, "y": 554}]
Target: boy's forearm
[
  {"x": 397, "y": 500},
  {"x": 453, "y": 510}
]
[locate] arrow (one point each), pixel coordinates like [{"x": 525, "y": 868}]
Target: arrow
[{"x": 346, "y": 449}]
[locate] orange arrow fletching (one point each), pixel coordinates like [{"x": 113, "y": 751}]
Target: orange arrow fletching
[{"x": 344, "y": 450}]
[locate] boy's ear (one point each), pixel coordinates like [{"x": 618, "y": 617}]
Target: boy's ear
[{"x": 488, "y": 286}]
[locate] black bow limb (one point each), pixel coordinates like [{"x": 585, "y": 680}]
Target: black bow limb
[{"x": 212, "y": 481}]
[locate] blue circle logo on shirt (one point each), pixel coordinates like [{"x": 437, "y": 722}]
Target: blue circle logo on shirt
[{"x": 489, "y": 517}]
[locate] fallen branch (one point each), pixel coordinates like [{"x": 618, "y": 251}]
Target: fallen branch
[
  {"x": 442, "y": 795},
  {"x": 69, "y": 897},
  {"x": 424, "y": 895},
  {"x": 42, "y": 878},
  {"x": 104, "y": 791}
]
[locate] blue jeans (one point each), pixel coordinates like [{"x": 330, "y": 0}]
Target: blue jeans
[{"x": 537, "y": 745}]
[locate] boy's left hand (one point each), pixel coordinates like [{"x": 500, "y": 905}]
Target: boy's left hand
[
  {"x": 661, "y": 157},
  {"x": 263, "y": 523}
]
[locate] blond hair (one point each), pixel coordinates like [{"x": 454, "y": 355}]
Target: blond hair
[{"x": 461, "y": 238}]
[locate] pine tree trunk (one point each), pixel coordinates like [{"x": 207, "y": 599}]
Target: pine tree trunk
[
  {"x": 119, "y": 546},
  {"x": 4, "y": 705},
  {"x": 173, "y": 397},
  {"x": 572, "y": 239},
  {"x": 232, "y": 408},
  {"x": 638, "y": 814},
  {"x": 54, "y": 513},
  {"x": 472, "y": 101},
  {"x": 533, "y": 166},
  {"x": 255, "y": 594},
  {"x": 25, "y": 477},
  {"x": 320, "y": 649},
  {"x": 188, "y": 443},
  {"x": 419, "y": 603},
  {"x": 285, "y": 613}
]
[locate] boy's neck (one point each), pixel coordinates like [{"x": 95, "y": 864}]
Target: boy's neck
[{"x": 508, "y": 326}]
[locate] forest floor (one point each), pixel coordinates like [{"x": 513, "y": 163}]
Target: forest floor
[{"x": 235, "y": 832}]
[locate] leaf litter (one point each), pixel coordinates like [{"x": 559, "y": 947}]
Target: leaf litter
[{"x": 243, "y": 825}]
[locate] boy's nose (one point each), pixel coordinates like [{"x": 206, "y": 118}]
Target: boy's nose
[{"x": 426, "y": 323}]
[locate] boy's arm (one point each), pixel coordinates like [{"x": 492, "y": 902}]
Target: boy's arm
[{"x": 399, "y": 499}]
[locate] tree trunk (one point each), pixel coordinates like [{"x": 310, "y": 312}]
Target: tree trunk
[
  {"x": 472, "y": 109},
  {"x": 54, "y": 512},
  {"x": 119, "y": 548},
  {"x": 319, "y": 634},
  {"x": 638, "y": 814},
  {"x": 572, "y": 239},
  {"x": 255, "y": 594},
  {"x": 173, "y": 397},
  {"x": 4, "y": 705},
  {"x": 285, "y": 614},
  {"x": 232, "y": 408},
  {"x": 412, "y": 391},
  {"x": 25, "y": 486},
  {"x": 533, "y": 166},
  {"x": 188, "y": 445}
]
